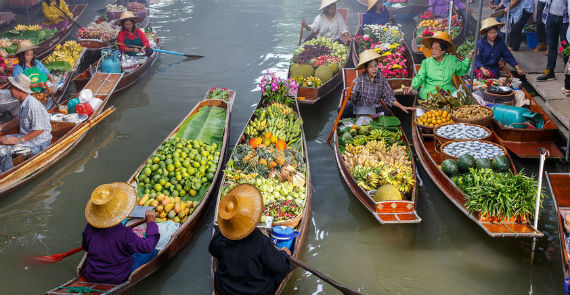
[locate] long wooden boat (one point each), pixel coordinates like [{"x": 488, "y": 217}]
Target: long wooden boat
[
  {"x": 302, "y": 227},
  {"x": 46, "y": 47},
  {"x": 129, "y": 78},
  {"x": 419, "y": 55},
  {"x": 386, "y": 212},
  {"x": 177, "y": 241},
  {"x": 66, "y": 136},
  {"x": 311, "y": 95},
  {"x": 426, "y": 146},
  {"x": 559, "y": 184}
]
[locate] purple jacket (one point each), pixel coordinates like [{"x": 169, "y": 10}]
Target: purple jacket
[
  {"x": 440, "y": 8},
  {"x": 109, "y": 251}
]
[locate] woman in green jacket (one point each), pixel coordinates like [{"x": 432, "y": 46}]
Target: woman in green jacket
[{"x": 439, "y": 67}]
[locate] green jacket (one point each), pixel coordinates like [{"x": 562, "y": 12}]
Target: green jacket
[{"x": 433, "y": 73}]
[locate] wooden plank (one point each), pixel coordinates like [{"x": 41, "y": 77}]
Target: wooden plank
[{"x": 560, "y": 184}]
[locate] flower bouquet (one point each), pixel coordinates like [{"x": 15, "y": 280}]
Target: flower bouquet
[
  {"x": 565, "y": 49},
  {"x": 384, "y": 33},
  {"x": 277, "y": 90},
  {"x": 394, "y": 64},
  {"x": 219, "y": 93}
]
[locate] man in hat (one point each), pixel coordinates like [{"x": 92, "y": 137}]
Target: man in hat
[
  {"x": 247, "y": 260},
  {"x": 131, "y": 39},
  {"x": 376, "y": 14},
  {"x": 329, "y": 23},
  {"x": 34, "y": 120},
  {"x": 114, "y": 251}
]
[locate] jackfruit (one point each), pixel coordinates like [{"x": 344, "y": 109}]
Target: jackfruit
[
  {"x": 387, "y": 192},
  {"x": 303, "y": 70},
  {"x": 294, "y": 67},
  {"x": 324, "y": 73},
  {"x": 333, "y": 67}
]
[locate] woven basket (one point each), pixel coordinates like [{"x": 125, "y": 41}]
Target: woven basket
[
  {"x": 483, "y": 121},
  {"x": 292, "y": 223},
  {"x": 442, "y": 139},
  {"x": 447, "y": 156},
  {"x": 140, "y": 14}
]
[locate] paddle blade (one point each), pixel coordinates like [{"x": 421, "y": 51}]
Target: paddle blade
[
  {"x": 190, "y": 57},
  {"x": 53, "y": 258}
]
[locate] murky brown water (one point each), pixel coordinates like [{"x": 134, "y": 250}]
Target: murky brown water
[{"x": 445, "y": 254}]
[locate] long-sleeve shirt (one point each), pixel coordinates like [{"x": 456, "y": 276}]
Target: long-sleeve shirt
[
  {"x": 54, "y": 15},
  {"x": 440, "y": 8},
  {"x": 110, "y": 250},
  {"x": 490, "y": 55},
  {"x": 19, "y": 70},
  {"x": 252, "y": 265},
  {"x": 368, "y": 93},
  {"x": 374, "y": 18},
  {"x": 332, "y": 29},
  {"x": 433, "y": 73},
  {"x": 131, "y": 36}
]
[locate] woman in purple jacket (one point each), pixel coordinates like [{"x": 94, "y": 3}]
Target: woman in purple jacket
[
  {"x": 114, "y": 251},
  {"x": 440, "y": 8}
]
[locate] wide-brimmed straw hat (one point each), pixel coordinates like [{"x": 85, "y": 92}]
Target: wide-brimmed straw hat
[
  {"x": 25, "y": 45},
  {"x": 366, "y": 56},
  {"x": 110, "y": 204},
  {"x": 371, "y": 4},
  {"x": 489, "y": 23},
  {"x": 126, "y": 16},
  {"x": 325, "y": 3},
  {"x": 239, "y": 211},
  {"x": 438, "y": 36},
  {"x": 21, "y": 82}
]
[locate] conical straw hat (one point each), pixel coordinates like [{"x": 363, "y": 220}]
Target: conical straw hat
[
  {"x": 325, "y": 3},
  {"x": 439, "y": 36},
  {"x": 110, "y": 204},
  {"x": 239, "y": 211},
  {"x": 25, "y": 45},
  {"x": 368, "y": 55},
  {"x": 128, "y": 15},
  {"x": 21, "y": 82},
  {"x": 371, "y": 4},
  {"x": 488, "y": 23}
]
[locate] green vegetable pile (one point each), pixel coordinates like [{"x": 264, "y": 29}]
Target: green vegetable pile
[
  {"x": 465, "y": 47},
  {"x": 36, "y": 37}
]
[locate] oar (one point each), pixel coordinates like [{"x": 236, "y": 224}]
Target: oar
[
  {"x": 343, "y": 289},
  {"x": 165, "y": 51},
  {"x": 68, "y": 17},
  {"x": 59, "y": 257},
  {"x": 301, "y": 35},
  {"x": 340, "y": 112}
]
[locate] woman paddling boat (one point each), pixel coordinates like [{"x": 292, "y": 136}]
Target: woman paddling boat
[
  {"x": 131, "y": 39},
  {"x": 329, "y": 22}
]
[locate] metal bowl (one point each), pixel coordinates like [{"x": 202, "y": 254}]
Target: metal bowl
[{"x": 499, "y": 89}]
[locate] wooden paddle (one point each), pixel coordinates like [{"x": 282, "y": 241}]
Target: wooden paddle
[
  {"x": 165, "y": 51},
  {"x": 59, "y": 257},
  {"x": 301, "y": 35},
  {"x": 49, "y": 92},
  {"x": 340, "y": 113},
  {"x": 68, "y": 17},
  {"x": 343, "y": 289}
]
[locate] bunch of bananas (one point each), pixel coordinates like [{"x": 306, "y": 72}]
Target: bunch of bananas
[
  {"x": 27, "y": 28},
  {"x": 388, "y": 136},
  {"x": 277, "y": 119},
  {"x": 370, "y": 178},
  {"x": 68, "y": 52}
]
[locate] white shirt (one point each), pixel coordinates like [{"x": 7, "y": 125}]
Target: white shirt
[{"x": 330, "y": 29}]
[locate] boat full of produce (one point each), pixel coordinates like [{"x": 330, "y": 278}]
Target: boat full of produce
[{"x": 429, "y": 24}]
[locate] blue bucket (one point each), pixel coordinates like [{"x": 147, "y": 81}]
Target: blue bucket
[
  {"x": 531, "y": 39},
  {"x": 283, "y": 236}
]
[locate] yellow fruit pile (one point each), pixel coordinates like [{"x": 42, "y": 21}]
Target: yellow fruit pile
[
  {"x": 435, "y": 118},
  {"x": 168, "y": 208},
  {"x": 28, "y": 28},
  {"x": 68, "y": 52}
]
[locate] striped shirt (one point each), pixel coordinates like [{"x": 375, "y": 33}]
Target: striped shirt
[
  {"x": 366, "y": 93},
  {"x": 34, "y": 116}
]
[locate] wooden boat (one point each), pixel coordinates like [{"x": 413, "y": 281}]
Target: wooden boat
[
  {"x": 426, "y": 147},
  {"x": 395, "y": 83},
  {"x": 311, "y": 95},
  {"x": 386, "y": 212},
  {"x": 129, "y": 78},
  {"x": 178, "y": 240},
  {"x": 559, "y": 184},
  {"x": 302, "y": 227},
  {"x": 418, "y": 53},
  {"x": 46, "y": 47},
  {"x": 66, "y": 136}
]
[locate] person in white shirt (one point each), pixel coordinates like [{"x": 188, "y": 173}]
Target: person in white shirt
[{"x": 329, "y": 23}]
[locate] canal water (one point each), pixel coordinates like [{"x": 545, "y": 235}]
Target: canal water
[{"x": 445, "y": 254}]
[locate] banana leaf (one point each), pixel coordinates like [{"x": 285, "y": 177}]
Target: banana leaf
[
  {"x": 206, "y": 125},
  {"x": 59, "y": 66},
  {"x": 385, "y": 122}
]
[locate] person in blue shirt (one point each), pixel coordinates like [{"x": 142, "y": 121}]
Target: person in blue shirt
[
  {"x": 377, "y": 14},
  {"x": 491, "y": 49},
  {"x": 520, "y": 12}
]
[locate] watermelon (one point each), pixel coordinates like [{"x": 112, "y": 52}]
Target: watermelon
[
  {"x": 465, "y": 162},
  {"x": 501, "y": 164},
  {"x": 483, "y": 163},
  {"x": 450, "y": 168}
]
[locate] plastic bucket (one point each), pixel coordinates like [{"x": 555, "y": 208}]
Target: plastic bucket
[
  {"x": 283, "y": 236},
  {"x": 531, "y": 39}
]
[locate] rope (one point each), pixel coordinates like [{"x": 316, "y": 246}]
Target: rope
[{"x": 81, "y": 290}]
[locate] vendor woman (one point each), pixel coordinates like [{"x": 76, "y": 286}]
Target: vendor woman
[
  {"x": 491, "y": 49},
  {"x": 247, "y": 260},
  {"x": 440, "y": 8},
  {"x": 329, "y": 22},
  {"x": 131, "y": 39},
  {"x": 371, "y": 88},
  {"x": 114, "y": 250},
  {"x": 54, "y": 13},
  {"x": 439, "y": 66},
  {"x": 377, "y": 14},
  {"x": 31, "y": 67}
]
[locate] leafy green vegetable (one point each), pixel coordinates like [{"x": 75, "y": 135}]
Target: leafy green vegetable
[
  {"x": 59, "y": 66},
  {"x": 466, "y": 47},
  {"x": 206, "y": 125}
]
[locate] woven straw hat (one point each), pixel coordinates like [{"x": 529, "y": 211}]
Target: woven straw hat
[
  {"x": 371, "y": 4},
  {"x": 439, "y": 36},
  {"x": 110, "y": 204},
  {"x": 128, "y": 15},
  {"x": 21, "y": 82},
  {"x": 239, "y": 211},
  {"x": 325, "y": 3},
  {"x": 25, "y": 45},
  {"x": 489, "y": 23},
  {"x": 366, "y": 56}
]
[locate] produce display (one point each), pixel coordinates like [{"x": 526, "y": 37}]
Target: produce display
[
  {"x": 435, "y": 118},
  {"x": 135, "y": 7},
  {"x": 466, "y": 47},
  {"x": 442, "y": 99},
  {"x": 27, "y": 28},
  {"x": 388, "y": 41},
  {"x": 377, "y": 155},
  {"x": 466, "y": 162},
  {"x": 429, "y": 25},
  {"x": 64, "y": 57},
  {"x": 316, "y": 61},
  {"x": 219, "y": 93},
  {"x": 102, "y": 31},
  {"x": 177, "y": 176},
  {"x": 479, "y": 84},
  {"x": 461, "y": 131},
  {"x": 271, "y": 156},
  {"x": 475, "y": 148},
  {"x": 116, "y": 8},
  {"x": 32, "y": 33},
  {"x": 473, "y": 112}
]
